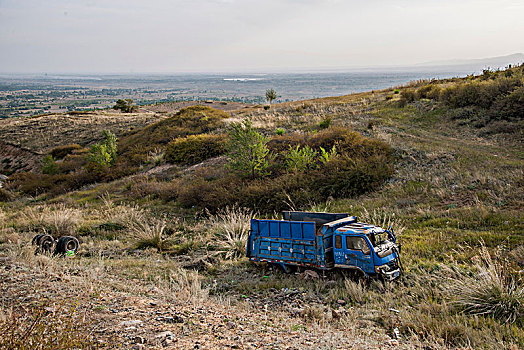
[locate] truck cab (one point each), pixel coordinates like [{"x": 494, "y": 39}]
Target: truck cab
[{"x": 367, "y": 248}]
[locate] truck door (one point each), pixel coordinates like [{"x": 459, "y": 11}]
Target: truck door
[
  {"x": 339, "y": 251},
  {"x": 358, "y": 253}
]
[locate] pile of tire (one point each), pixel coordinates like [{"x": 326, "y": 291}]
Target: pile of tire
[{"x": 65, "y": 245}]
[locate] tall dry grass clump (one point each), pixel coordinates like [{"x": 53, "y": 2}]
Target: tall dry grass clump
[
  {"x": 230, "y": 229},
  {"x": 121, "y": 214},
  {"x": 489, "y": 291},
  {"x": 54, "y": 218},
  {"x": 186, "y": 285},
  {"x": 384, "y": 220},
  {"x": 144, "y": 229},
  {"x": 148, "y": 233},
  {"x": 355, "y": 291}
]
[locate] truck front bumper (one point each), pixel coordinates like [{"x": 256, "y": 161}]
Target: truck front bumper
[{"x": 391, "y": 274}]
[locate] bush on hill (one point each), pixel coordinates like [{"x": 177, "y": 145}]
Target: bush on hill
[
  {"x": 195, "y": 120},
  {"x": 61, "y": 151},
  {"x": 194, "y": 149},
  {"x": 478, "y": 101},
  {"x": 361, "y": 166}
]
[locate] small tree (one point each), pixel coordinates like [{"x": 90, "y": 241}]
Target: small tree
[
  {"x": 248, "y": 151},
  {"x": 126, "y": 106},
  {"x": 103, "y": 155},
  {"x": 300, "y": 159},
  {"x": 271, "y": 95},
  {"x": 49, "y": 165}
]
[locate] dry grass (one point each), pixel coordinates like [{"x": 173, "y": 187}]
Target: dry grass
[
  {"x": 43, "y": 133},
  {"x": 383, "y": 219},
  {"x": 355, "y": 291},
  {"x": 45, "y": 327},
  {"x": 54, "y": 218},
  {"x": 143, "y": 228},
  {"x": 230, "y": 228},
  {"x": 185, "y": 286},
  {"x": 489, "y": 291},
  {"x": 148, "y": 233}
]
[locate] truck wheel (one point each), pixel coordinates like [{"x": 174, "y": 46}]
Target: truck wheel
[
  {"x": 46, "y": 243},
  {"x": 36, "y": 238},
  {"x": 66, "y": 244}
]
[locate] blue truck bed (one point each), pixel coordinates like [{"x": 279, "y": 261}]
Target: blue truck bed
[{"x": 291, "y": 242}]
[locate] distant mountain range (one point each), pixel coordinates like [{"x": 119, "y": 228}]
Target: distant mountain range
[{"x": 479, "y": 63}]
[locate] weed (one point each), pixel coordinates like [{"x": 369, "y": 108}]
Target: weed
[
  {"x": 156, "y": 156},
  {"x": 384, "y": 220}
]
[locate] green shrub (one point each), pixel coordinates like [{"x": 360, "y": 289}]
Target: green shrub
[
  {"x": 480, "y": 93},
  {"x": 327, "y": 156},
  {"x": 510, "y": 106},
  {"x": 72, "y": 162},
  {"x": 401, "y": 103},
  {"x": 103, "y": 155},
  {"x": 48, "y": 165},
  {"x": 325, "y": 123},
  {"x": 280, "y": 131},
  {"x": 341, "y": 177},
  {"x": 428, "y": 91},
  {"x": 194, "y": 149},
  {"x": 300, "y": 158},
  {"x": 61, "y": 151},
  {"x": 248, "y": 151},
  {"x": 35, "y": 184},
  {"x": 281, "y": 143},
  {"x": 408, "y": 94}
]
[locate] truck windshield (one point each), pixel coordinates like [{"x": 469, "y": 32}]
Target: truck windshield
[{"x": 378, "y": 238}]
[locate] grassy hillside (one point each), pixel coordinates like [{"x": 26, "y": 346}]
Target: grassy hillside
[{"x": 440, "y": 161}]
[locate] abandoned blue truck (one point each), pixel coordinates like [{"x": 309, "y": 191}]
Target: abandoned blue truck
[{"x": 325, "y": 241}]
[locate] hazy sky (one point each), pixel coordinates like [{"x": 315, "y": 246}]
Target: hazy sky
[{"x": 111, "y": 36}]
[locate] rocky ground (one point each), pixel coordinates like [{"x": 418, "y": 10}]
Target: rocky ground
[{"x": 138, "y": 314}]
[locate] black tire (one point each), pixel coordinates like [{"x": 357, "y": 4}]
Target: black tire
[
  {"x": 36, "y": 238},
  {"x": 65, "y": 244},
  {"x": 46, "y": 243}
]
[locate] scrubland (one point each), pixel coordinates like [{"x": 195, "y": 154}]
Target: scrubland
[{"x": 162, "y": 263}]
